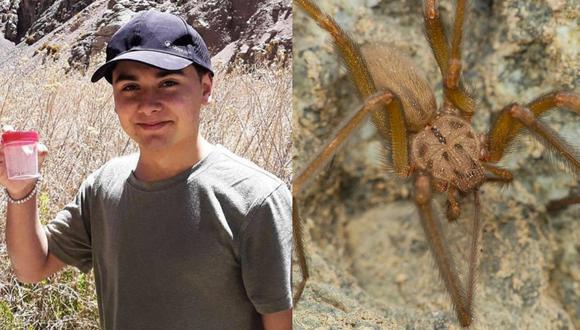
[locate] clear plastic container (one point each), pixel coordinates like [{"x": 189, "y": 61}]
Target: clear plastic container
[{"x": 21, "y": 154}]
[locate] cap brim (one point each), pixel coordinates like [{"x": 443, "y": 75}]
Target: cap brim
[{"x": 157, "y": 59}]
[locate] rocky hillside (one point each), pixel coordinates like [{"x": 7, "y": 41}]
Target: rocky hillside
[{"x": 77, "y": 31}]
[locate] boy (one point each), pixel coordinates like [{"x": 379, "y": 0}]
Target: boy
[{"x": 184, "y": 235}]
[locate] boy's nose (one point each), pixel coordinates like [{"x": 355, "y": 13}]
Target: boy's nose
[{"x": 149, "y": 103}]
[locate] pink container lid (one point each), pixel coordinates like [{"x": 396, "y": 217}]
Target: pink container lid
[{"x": 19, "y": 136}]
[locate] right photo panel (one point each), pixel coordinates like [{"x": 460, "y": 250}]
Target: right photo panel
[{"x": 436, "y": 164}]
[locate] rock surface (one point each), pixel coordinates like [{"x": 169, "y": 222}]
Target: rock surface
[
  {"x": 248, "y": 32},
  {"x": 29, "y": 21},
  {"x": 370, "y": 263},
  {"x": 5, "y": 47}
]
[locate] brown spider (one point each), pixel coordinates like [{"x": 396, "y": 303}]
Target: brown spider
[{"x": 437, "y": 147}]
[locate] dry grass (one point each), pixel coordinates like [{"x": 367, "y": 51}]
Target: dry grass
[{"x": 250, "y": 115}]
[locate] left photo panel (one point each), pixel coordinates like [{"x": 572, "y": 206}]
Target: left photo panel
[{"x": 145, "y": 165}]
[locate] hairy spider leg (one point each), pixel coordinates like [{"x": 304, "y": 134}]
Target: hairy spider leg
[
  {"x": 453, "y": 208},
  {"x": 298, "y": 235},
  {"x": 499, "y": 174},
  {"x": 314, "y": 165},
  {"x": 513, "y": 118},
  {"x": 461, "y": 299},
  {"x": 473, "y": 251},
  {"x": 435, "y": 34},
  {"x": 339, "y": 136},
  {"x": 454, "y": 65},
  {"x": 563, "y": 202},
  {"x": 450, "y": 67},
  {"x": 390, "y": 119}
]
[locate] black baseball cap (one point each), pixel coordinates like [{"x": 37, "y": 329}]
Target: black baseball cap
[{"x": 159, "y": 39}]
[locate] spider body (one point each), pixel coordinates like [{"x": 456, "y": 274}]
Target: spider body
[
  {"x": 443, "y": 144},
  {"x": 435, "y": 148},
  {"x": 391, "y": 70},
  {"x": 448, "y": 149}
]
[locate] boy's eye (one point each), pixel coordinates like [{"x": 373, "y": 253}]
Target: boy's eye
[
  {"x": 130, "y": 87},
  {"x": 168, "y": 83}
]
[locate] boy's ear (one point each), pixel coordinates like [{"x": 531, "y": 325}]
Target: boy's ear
[{"x": 206, "y": 89}]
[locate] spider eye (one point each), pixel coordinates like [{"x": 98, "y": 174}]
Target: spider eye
[{"x": 456, "y": 124}]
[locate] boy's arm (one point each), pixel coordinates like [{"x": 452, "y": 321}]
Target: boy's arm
[
  {"x": 27, "y": 243},
  {"x": 25, "y": 239},
  {"x": 266, "y": 254},
  {"x": 278, "y": 321}
]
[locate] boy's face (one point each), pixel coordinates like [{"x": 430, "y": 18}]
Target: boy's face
[{"x": 159, "y": 109}]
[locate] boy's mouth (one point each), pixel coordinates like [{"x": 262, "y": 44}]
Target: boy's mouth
[{"x": 154, "y": 125}]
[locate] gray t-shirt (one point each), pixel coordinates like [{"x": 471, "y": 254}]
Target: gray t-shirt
[{"x": 207, "y": 249}]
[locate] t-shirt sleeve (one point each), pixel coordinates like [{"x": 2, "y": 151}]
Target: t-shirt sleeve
[
  {"x": 69, "y": 234},
  {"x": 266, "y": 252}
]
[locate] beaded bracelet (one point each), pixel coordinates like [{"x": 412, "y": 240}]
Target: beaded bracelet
[{"x": 27, "y": 198}]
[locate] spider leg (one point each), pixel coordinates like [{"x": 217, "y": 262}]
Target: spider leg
[
  {"x": 499, "y": 174},
  {"x": 347, "y": 48},
  {"x": 453, "y": 209},
  {"x": 436, "y": 35},
  {"x": 390, "y": 120},
  {"x": 316, "y": 164},
  {"x": 443, "y": 258},
  {"x": 338, "y": 138},
  {"x": 298, "y": 231},
  {"x": 562, "y": 203},
  {"x": 450, "y": 66},
  {"x": 514, "y": 117},
  {"x": 454, "y": 65},
  {"x": 473, "y": 252}
]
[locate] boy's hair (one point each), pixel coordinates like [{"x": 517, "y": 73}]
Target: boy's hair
[{"x": 201, "y": 71}]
